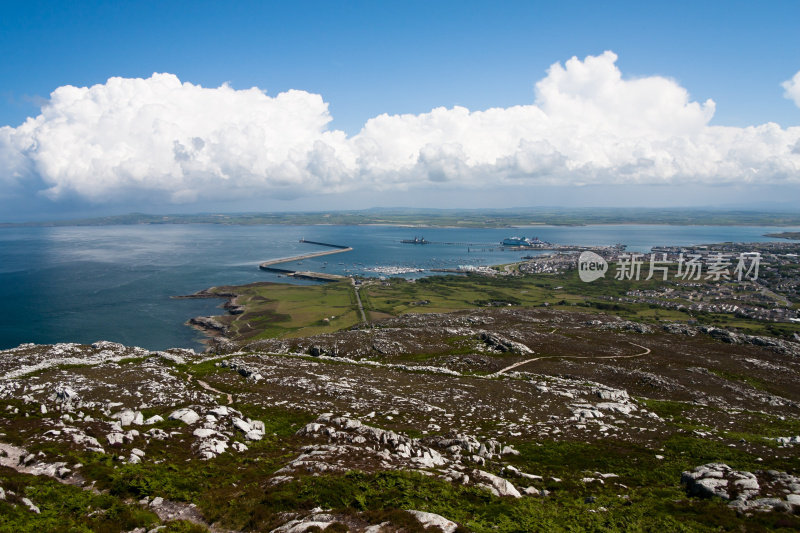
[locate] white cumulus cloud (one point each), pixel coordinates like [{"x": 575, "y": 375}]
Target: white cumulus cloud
[
  {"x": 183, "y": 140},
  {"x": 792, "y": 89},
  {"x": 587, "y": 124}
]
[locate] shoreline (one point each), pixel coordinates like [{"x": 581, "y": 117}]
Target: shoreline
[{"x": 212, "y": 327}]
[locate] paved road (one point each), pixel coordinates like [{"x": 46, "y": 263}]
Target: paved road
[{"x": 358, "y": 301}]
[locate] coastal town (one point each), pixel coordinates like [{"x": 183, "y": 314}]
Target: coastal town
[{"x": 770, "y": 292}]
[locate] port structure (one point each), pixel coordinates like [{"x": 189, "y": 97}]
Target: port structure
[{"x": 317, "y": 276}]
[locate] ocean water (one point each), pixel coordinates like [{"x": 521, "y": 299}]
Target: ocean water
[{"x": 83, "y": 284}]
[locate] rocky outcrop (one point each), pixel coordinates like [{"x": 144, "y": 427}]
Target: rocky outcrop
[
  {"x": 773, "y": 343},
  {"x": 210, "y": 324},
  {"x": 497, "y": 485},
  {"x": 503, "y": 344},
  {"x": 745, "y": 491},
  {"x": 352, "y": 442},
  {"x": 434, "y": 520},
  {"x": 627, "y": 325},
  {"x": 243, "y": 370}
]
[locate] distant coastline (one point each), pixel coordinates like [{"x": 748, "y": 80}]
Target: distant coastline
[
  {"x": 792, "y": 235},
  {"x": 451, "y": 218}
]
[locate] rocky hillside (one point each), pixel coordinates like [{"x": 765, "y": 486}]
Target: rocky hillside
[{"x": 489, "y": 420}]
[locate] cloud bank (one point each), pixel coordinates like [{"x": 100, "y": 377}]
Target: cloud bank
[{"x": 163, "y": 138}]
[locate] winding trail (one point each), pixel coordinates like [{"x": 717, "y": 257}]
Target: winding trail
[
  {"x": 515, "y": 365},
  {"x": 212, "y": 389}
]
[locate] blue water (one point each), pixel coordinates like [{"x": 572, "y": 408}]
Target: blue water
[{"x": 82, "y": 284}]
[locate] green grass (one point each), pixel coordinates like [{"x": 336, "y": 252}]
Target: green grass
[
  {"x": 65, "y": 508},
  {"x": 52, "y": 369},
  {"x": 284, "y": 310},
  {"x": 376, "y": 495},
  {"x": 666, "y": 408},
  {"x": 742, "y": 378}
]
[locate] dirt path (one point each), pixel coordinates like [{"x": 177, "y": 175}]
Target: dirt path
[
  {"x": 515, "y": 365},
  {"x": 208, "y": 387},
  {"x": 212, "y": 389}
]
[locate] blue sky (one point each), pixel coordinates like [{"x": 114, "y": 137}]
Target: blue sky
[{"x": 369, "y": 58}]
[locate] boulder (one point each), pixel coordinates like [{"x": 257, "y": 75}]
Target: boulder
[
  {"x": 125, "y": 417},
  {"x": 158, "y": 434},
  {"x": 503, "y": 344},
  {"x": 241, "y": 425},
  {"x": 114, "y": 439},
  {"x": 185, "y": 415},
  {"x": 434, "y": 520},
  {"x": 31, "y": 507},
  {"x": 65, "y": 393},
  {"x": 496, "y": 484},
  {"x": 90, "y": 443},
  {"x": 220, "y": 411},
  {"x": 509, "y": 450},
  {"x": 108, "y": 345},
  {"x": 210, "y": 448},
  {"x": 254, "y": 435}
]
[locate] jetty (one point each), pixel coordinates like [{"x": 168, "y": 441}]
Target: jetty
[
  {"x": 341, "y": 247},
  {"x": 317, "y": 276}
]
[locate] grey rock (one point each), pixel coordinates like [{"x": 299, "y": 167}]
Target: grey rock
[
  {"x": 31, "y": 507},
  {"x": 498, "y": 485},
  {"x": 185, "y": 415},
  {"x": 434, "y": 520}
]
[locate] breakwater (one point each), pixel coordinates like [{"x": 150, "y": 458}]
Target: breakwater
[
  {"x": 339, "y": 246},
  {"x": 318, "y": 276}
]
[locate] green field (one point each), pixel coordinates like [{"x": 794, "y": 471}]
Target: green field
[{"x": 285, "y": 310}]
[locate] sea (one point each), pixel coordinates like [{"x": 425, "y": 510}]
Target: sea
[{"x": 117, "y": 283}]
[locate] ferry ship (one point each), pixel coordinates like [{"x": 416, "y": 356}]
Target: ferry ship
[
  {"x": 524, "y": 242},
  {"x": 415, "y": 240}
]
